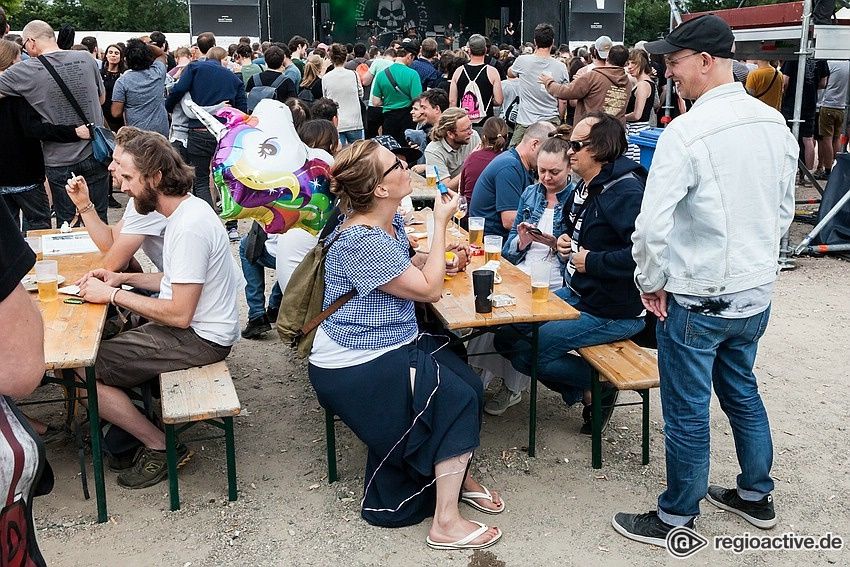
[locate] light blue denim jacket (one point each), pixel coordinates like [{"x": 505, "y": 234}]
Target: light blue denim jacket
[
  {"x": 719, "y": 197},
  {"x": 532, "y": 203}
]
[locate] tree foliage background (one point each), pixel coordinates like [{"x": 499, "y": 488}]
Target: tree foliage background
[
  {"x": 107, "y": 15},
  {"x": 648, "y": 19}
]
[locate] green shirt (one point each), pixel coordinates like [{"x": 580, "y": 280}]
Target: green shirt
[
  {"x": 298, "y": 63},
  {"x": 408, "y": 83}
]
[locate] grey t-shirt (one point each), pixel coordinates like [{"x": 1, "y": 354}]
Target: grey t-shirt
[
  {"x": 535, "y": 103},
  {"x": 29, "y": 79},
  {"x": 835, "y": 93},
  {"x": 142, "y": 93}
]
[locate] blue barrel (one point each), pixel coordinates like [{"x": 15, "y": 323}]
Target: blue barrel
[{"x": 646, "y": 140}]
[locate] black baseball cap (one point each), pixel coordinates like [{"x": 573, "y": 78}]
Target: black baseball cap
[
  {"x": 412, "y": 155},
  {"x": 708, "y": 34},
  {"x": 411, "y": 46}
]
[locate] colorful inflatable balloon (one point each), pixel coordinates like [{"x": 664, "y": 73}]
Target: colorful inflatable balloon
[{"x": 265, "y": 172}]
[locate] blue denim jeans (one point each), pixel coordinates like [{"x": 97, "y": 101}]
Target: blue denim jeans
[
  {"x": 255, "y": 282},
  {"x": 558, "y": 368},
  {"x": 350, "y": 136},
  {"x": 98, "y": 179},
  {"x": 696, "y": 351}
]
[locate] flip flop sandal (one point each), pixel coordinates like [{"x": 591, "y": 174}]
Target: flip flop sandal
[
  {"x": 464, "y": 543},
  {"x": 470, "y": 497}
]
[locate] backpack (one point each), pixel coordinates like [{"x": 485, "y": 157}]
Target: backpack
[
  {"x": 306, "y": 96},
  {"x": 471, "y": 101},
  {"x": 304, "y": 295},
  {"x": 261, "y": 91},
  {"x": 510, "y": 112}
]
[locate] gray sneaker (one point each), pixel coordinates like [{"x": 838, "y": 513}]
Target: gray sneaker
[
  {"x": 503, "y": 399},
  {"x": 151, "y": 467}
]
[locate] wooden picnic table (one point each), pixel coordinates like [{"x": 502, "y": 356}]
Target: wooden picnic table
[
  {"x": 456, "y": 310},
  {"x": 72, "y": 334}
]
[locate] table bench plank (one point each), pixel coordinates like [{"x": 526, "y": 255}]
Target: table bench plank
[
  {"x": 199, "y": 393},
  {"x": 623, "y": 363}
]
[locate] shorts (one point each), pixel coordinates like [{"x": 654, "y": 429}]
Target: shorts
[
  {"x": 831, "y": 122},
  {"x": 141, "y": 354}
]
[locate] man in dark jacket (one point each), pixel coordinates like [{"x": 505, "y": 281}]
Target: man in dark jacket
[{"x": 596, "y": 242}]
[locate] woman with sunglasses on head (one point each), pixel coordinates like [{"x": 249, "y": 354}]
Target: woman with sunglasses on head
[
  {"x": 595, "y": 243},
  {"x": 412, "y": 401}
]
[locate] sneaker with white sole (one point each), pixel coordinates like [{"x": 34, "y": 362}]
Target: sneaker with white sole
[
  {"x": 645, "y": 528},
  {"x": 501, "y": 401},
  {"x": 759, "y": 513},
  {"x": 233, "y": 235}
]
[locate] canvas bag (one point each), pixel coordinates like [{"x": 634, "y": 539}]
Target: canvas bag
[
  {"x": 261, "y": 91},
  {"x": 470, "y": 101},
  {"x": 303, "y": 296}
]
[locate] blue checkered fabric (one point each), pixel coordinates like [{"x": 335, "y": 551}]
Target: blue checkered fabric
[{"x": 365, "y": 258}]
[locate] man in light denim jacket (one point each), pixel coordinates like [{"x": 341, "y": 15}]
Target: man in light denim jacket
[{"x": 720, "y": 194}]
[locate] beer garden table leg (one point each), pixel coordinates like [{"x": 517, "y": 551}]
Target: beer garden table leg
[
  {"x": 532, "y": 420},
  {"x": 97, "y": 453}
]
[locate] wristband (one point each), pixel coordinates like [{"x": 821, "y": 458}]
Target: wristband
[
  {"x": 85, "y": 209},
  {"x": 112, "y": 297}
]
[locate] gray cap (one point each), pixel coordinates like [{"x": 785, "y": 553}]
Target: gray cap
[
  {"x": 603, "y": 46},
  {"x": 477, "y": 44}
]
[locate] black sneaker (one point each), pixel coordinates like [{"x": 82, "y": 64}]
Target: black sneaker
[
  {"x": 645, "y": 528},
  {"x": 151, "y": 467},
  {"x": 821, "y": 175},
  {"x": 609, "y": 398},
  {"x": 256, "y": 327},
  {"x": 759, "y": 513},
  {"x": 271, "y": 314},
  {"x": 120, "y": 463}
]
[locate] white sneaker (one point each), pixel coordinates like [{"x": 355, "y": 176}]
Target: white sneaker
[
  {"x": 233, "y": 235},
  {"x": 500, "y": 402}
]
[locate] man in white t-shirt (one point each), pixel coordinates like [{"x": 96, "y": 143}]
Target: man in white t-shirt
[
  {"x": 119, "y": 242},
  {"x": 195, "y": 319},
  {"x": 535, "y": 104}
]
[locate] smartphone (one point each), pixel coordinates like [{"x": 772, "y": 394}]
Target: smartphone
[{"x": 534, "y": 230}]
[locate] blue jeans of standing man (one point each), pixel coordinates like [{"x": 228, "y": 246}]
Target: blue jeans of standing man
[
  {"x": 98, "y": 179},
  {"x": 696, "y": 351},
  {"x": 255, "y": 282},
  {"x": 350, "y": 136},
  {"x": 557, "y": 367}
]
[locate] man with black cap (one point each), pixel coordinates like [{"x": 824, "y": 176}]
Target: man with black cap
[
  {"x": 395, "y": 89},
  {"x": 719, "y": 196}
]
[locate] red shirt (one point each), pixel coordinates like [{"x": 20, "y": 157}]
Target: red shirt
[{"x": 472, "y": 168}]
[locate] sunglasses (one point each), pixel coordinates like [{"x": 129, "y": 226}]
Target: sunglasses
[
  {"x": 398, "y": 164},
  {"x": 576, "y": 145}
]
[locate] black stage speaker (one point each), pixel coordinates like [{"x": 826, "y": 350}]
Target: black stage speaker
[
  {"x": 232, "y": 18},
  {"x": 538, "y": 13},
  {"x": 590, "y": 19},
  {"x": 287, "y": 19}
]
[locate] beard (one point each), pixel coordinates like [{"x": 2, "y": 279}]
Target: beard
[{"x": 146, "y": 201}]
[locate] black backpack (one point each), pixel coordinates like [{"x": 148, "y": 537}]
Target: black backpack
[
  {"x": 261, "y": 91},
  {"x": 306, "y": 96}
]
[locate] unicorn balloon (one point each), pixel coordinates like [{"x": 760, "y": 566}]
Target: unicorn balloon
[{"x": 265, "y": 172}]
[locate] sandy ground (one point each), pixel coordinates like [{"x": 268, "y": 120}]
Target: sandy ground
[{"x": 558, "y": 507}]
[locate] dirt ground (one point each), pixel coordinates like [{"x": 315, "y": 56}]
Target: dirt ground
[{"x": 558, "y": 508}]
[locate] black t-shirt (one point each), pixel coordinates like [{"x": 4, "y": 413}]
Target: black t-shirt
[
  {"x": 284, "y": 91},
  {"x": 16, "y": 258},
  {"x": 816, "y": 69}
]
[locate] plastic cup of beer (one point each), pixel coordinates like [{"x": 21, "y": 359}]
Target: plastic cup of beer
[
  {"x": 431, "y": 178},
  {"x": 540, "y": 272},
  {"x": 476, "y": 235},
  {"x": 34, "y": 242},
  {"x": 47, "y": 278},
  {"x": 492, "y": 248},
  {"x": 450, "y": 256}
]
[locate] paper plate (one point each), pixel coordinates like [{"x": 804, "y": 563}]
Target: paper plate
[{"x": 30, "y": 284}]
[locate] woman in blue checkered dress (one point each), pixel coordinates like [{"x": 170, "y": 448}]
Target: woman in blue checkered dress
[{"x": 414, "y": 403}]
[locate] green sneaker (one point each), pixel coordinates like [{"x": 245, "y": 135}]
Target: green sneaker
[{"x": 151, "y": 467}]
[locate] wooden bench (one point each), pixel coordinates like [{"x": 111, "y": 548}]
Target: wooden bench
[
  {"x": 626, "y": 366},
  {"x": 195, "y": 395}
]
